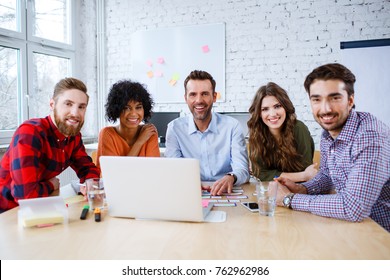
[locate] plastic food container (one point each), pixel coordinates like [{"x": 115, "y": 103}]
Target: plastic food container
[{"x": 41, "y": 212}]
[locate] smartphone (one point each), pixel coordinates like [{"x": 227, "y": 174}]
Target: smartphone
[{"x": 251, "y": 206}]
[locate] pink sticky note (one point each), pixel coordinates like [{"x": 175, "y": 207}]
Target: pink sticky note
[
  {"x": 160, "y": 60},
  {"x": 205, "y": 48},
  {"x": 205, "y": 203},
  {"x": 158, "y": 74},
  {"x": 149, "y": 63}
]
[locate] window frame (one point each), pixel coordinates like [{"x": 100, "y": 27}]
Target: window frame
[
  {"x": 21, "y": 34},
  {"x": 33, "y": 48},
  {"x": 27, "y": 44},
  {"x": 48, "y": 42},
  {"x": 6, "y": 135}
]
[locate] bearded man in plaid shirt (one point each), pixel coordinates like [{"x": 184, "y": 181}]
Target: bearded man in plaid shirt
[
  {"x": 44, "y": 147},
  {"x": 355, "y": 155}
]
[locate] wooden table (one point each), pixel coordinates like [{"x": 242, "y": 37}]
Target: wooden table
[{"x": 244, "y": 235}]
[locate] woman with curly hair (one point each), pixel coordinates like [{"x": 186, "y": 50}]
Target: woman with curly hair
[
  {"x": 132, "y": 104},
  {"x": 280, "y": 145}
]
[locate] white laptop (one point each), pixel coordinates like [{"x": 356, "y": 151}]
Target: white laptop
[{"x": 155, "y": 188}]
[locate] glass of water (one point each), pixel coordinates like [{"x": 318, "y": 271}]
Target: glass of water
[
  {"x": 95, "y": 193},
  {"x": 266, "y": 197}
]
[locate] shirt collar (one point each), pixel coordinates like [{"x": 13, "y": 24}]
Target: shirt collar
[{"x": 212, "y": 125}]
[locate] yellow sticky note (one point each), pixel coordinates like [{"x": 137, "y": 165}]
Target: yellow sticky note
[
  {"x": 150, "y": 74},
  {"x": 43, "y": 219},
  {"x": 175, "y": 76}
]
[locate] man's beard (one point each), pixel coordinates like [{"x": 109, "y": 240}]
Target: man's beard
[
  {"x": 66, "y": 129},
  {"x": 202, "y": 117}
]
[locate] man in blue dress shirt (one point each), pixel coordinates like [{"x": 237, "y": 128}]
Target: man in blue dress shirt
[
  {"x": 216, "y": 140},
  {"x": 355, "y": 155}
]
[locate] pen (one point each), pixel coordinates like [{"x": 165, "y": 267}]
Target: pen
[
  {"x": 97, "y": 215},
  {"x": 84, "y": 212}
]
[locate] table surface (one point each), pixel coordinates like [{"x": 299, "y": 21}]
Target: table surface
[{"x": 244, "y": 235}]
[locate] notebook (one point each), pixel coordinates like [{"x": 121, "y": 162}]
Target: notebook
[{"x": 155, "y": 188}]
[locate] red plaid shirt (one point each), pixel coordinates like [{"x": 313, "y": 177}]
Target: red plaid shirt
[{"x": 37, "y": 153}]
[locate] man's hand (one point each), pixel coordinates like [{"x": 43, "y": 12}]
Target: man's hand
[
  {"x": 282, "y": 192},
  {"x": 310, "y": 171},
  {"x": 287, "y": 186},
  {"x": 55, "y": 182},
  {"x": 225, "y": 184},
  {"x": 292, "y": 186}
]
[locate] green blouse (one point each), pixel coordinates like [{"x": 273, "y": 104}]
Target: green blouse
[{"x": 305, "y": 147}]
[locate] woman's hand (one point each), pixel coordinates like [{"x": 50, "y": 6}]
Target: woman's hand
[{"x": 146, "y": 132}]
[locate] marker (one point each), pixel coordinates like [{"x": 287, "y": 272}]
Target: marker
[
  {"x": 84, "y": 212},
  {"x": 97, "y": 215}
]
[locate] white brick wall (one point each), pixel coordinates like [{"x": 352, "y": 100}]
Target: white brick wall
[
  {"x": 86, "y": 62},
  {"x": 266, "y": 40}
]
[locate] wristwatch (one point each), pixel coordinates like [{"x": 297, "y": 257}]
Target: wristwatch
[
  {"x": 287, "y": 200},
  {"x": 234, "y": 176}
]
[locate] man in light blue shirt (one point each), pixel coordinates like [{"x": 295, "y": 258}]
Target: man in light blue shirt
[{"x": 217, "y": 141}]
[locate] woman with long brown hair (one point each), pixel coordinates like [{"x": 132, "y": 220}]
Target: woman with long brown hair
[{"x": 279, "y": 144}]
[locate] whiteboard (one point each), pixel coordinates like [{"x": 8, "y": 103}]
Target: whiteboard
[
  {"x": 371, "y": 66},
  {"x": 163, "y": 58}
]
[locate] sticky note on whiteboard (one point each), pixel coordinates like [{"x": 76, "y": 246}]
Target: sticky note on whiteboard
[
  {"x": 158, "y": 74},
  {"x": 172, "y": 82},
  {"x": 160, "y": 60},
  {"x": 205, "y": 49},
  {"x": 175, "y": 76}
]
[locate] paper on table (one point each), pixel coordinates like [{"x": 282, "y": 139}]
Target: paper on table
[
  {"x": 216, "y": 217},
  {"x": 75, "y": 199},
  {"x": 69, "y": 194},
  {"x": 67, "y": 191}
]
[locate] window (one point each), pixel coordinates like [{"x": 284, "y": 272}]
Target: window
[
  {"x": 10, "y": 15},
  {"x": 9, "y": 85},
  {"x": 36, "y": 51},
  {"x": 49, "y": 17}
]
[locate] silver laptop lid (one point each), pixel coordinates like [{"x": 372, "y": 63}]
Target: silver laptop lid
[{"x": 153, "y": 188}]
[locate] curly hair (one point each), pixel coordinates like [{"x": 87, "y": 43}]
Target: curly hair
[
  {"x": 121, "y": 93},
  {"x": 276, "y": 154}
]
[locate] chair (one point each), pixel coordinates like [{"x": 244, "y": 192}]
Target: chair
[
  {"x": 317, "y": 158},
  {"x": 94, "y": 156}
]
